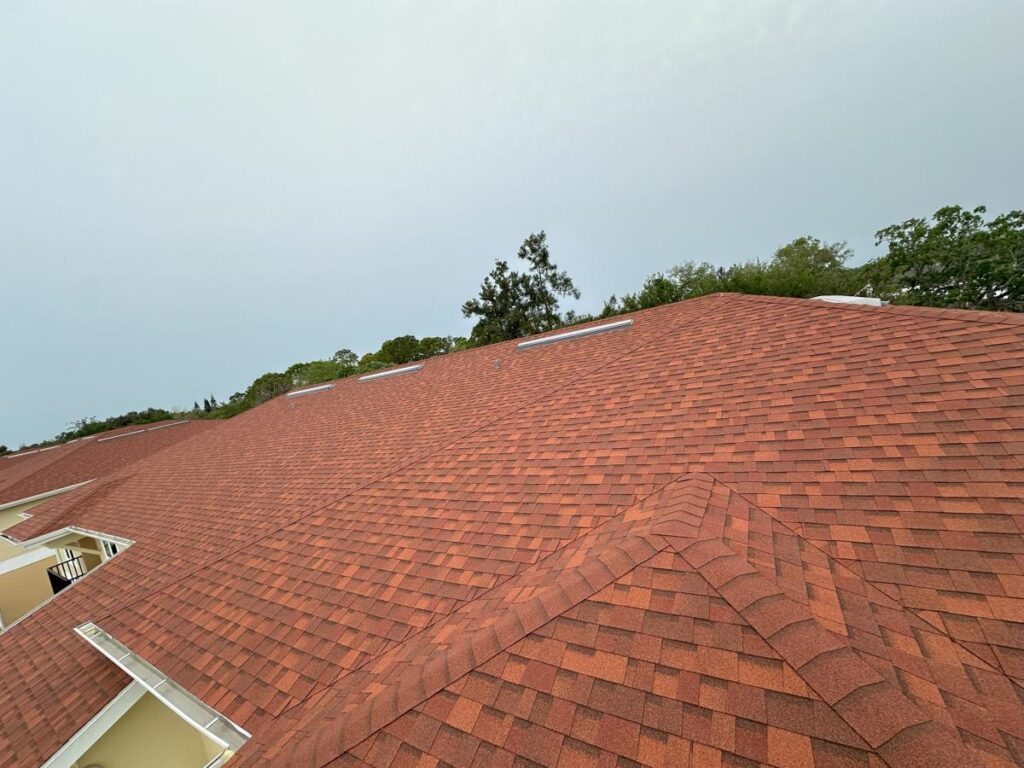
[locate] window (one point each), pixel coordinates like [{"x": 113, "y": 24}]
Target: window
[{"x": 109, "y": 548}]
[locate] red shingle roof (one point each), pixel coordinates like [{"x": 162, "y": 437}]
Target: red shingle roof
[
  {"x": 747, "y": 529},
  {"x": 24, "y": 475}
]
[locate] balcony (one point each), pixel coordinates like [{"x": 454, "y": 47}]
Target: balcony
[
  {"x": 66, "y": 572},
  {"x": 47, "y": 565}
]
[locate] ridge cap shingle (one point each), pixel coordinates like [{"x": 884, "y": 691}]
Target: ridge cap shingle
[
  {"x": 642, "y": 538},
  {"x": 826, "y": 662}
]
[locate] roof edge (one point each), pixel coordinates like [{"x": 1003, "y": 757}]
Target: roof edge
[
  {"x": 44, "y": 495},
  {"x": 190, "y": 708}
]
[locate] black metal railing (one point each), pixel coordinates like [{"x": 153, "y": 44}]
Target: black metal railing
[{"x": 65, "y": 573}]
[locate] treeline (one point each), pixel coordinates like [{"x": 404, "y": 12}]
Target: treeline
[
  {"x": 956, "y": 259},
  {"x": 344, "y": 362}
]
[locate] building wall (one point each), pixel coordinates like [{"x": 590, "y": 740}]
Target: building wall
[
  {"x": 23, "y": 589},
  {"x": 90, "y": 560},
  {"x": 150, "y": 735}
]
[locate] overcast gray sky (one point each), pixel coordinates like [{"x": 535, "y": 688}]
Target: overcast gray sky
[{"x": 192, "y": 194}]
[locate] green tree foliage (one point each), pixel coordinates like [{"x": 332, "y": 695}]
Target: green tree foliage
[
  {"x": 407, "y": 349},
  {"x": 401, "y": 349},
  {"x": 92, "y": 426},
  {"x": 342, "y": 363},
  {"x": 959, "y": 260},
  {"x": 514, "y": 304},
  {"x": 803, "y": 268},
  {"x": 267, "y": 387}
]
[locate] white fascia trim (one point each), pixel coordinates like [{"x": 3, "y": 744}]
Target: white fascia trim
[
  {"x": 578, "y": 334},
  {"x": 43, "y": 495},
  {"x": 93, "y": 731},
  {"x": 46, "y": 538},
  {"x": 203, "y": 718},
  {"x": 394, "y": 372}
]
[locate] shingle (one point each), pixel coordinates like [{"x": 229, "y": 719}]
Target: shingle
[{"x": 486, "y": 555}]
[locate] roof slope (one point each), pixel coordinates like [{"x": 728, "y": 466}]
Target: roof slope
[
  {"x": 322, "y": 568},
  {"x": 27, "y": 474},
  {"x": 656, "y": 638}
]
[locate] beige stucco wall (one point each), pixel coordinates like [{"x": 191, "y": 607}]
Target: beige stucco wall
[
  {"x": 23, "y": 589},
  {"x": 11, "y": 515},
  {"x": 89, "y": 559},
  {"x": 150, "y": 735}
]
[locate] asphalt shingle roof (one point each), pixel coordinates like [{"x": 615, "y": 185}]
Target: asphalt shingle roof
[
  {"x": 23, "y": 475},
  {"x": 746, "y": 530}
]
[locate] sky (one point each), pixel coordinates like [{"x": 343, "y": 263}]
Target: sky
[{"x": 193, "y": 194}]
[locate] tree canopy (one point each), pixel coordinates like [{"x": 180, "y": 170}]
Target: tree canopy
[
  {"x": 515, "y": 304},
  {"x": 804, "y": 268},
  {"x": 959, "y": 260}
]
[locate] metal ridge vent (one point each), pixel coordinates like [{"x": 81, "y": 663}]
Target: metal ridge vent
[
  {"x": 118, "y": 437},
  {"x": 203, "y": 717},
  {"x": 395, "y": 372},
  {"x": 867, "y": 301},
  {"x": 140, "y": 431},
  {"x": 34, "y": 450},
  {"x": 309, "y": 390},
  {"x": 172, "y": 424},
  {"x": 569, "y": 335}
]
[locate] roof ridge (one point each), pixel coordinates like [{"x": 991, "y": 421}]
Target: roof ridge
[
  {"x": 623, "y": 543},
  {"x": 494, "y": 345},
  {"x": 826, "y": 663},
  {"x": 882, "y": 596},
  {"x": 991, "y": 317}
]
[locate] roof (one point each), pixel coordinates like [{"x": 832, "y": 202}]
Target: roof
[
  {"x": 745, "y": 529},
  {"x": 29, "y": 473}
]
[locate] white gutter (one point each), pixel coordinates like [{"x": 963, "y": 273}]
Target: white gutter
[
  {"x": 60, "y": 533},
  {"x": 203, "y": 718}
]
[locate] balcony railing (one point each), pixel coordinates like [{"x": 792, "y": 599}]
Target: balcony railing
[{"x": 66, "y": 573}]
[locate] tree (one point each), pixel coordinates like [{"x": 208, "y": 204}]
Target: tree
[
  {"x": 4, "y": 450},
  {"x": 513, "y": 304},
  {"x": 345, "y": 358},
  {"x": 803, "y": 268},
  {"x": 401, "y": 349},
  {"x": 91, "y": 425},
  {"x": 682, "y": 282},
  {"x": 406, "y": 349},
  {"x": 267, "y": 387},
  {"x": 959, "y": 260}
]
